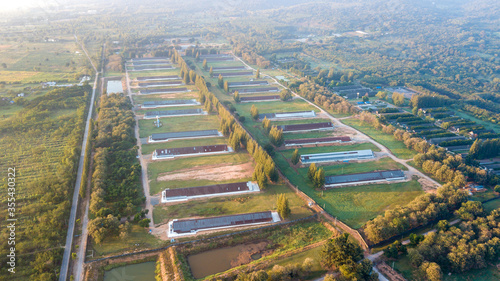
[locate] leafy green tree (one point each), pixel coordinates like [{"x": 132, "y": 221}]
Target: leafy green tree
[
  {"x": 366, "y": 98},
  {"x": 470, "y": 210},
  {"x": 443, "y": 225},
  {"x": 211, "y": 72},
  {"x": 312, "y": 171},
  {"x": 295, "y": 157},
  {"x": 254, "y": 112},
  {"x": 205, "y": 66},
  {"x": 285, "y": 95},
  {"x": 186, "y": 78},
  {"x": 340, "y": 251},
  {"x": 226, "y": 87},
  {"x": 381, "y": 95},
  {"x": 220, "y": 81},
  {"x": 257, "y": 74},
  {"x": 266, "y": 124},
  {"x": 319, "y": 178},
  {"x": 398, "y": 99},
  {"x": 237, "y": 97},
  {"x": 144, "y": 222},
  {"x": 282, "y": 206}
]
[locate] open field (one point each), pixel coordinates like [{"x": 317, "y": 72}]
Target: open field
[
  {"x": 385, "y": 163},
  {"x": 304, "y": 121},
  {"x": 486, "y": 124},
  {"x": 397, "y": 147},
  {"x": 163, "y": 72},
  {"x": 137, "y": 235},
  {"x": 34, "y": 76},
  {"x": 491, "y": 205},
  {"x": 159, "y": 167},
  {"x": 273, "y": 107},
  {"x": 149, "y": 148},
  {"x": 357, "y": 204},
  {"x": 228, "y": 205},
  {"x": 178, "y": 124},
  {"x": 315, "y": 271}
]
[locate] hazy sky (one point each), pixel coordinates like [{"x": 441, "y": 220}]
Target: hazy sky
[{"x": 8, "y": 5}]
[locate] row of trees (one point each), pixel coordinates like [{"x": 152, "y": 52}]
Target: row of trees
[
  {"x": 265, "y": 169},
  {"x": 116, "y": 188},
  {"x": 482, "y": 149},
  {"x": 316, "y": 176},
  {"x": 422, "y": 210}
]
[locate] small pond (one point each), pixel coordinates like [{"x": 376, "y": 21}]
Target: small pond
[
  {"x": 219, "y": 260},
  {"x": 134, "y": 272}
]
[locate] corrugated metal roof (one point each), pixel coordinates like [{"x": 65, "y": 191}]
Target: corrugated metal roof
[
  {"x": 185, "y": 134},
  {"x": 243, "y": 83},
  {"x": 188, "y": 225},
  {"x": 173, "y": 112},
  {"x": 257, "y": 90},
  {"x": 191, "y": 150},
  {"x": 257, "y": 98},
  {"x": 317, "y": 140},
  {"x": 207, "y": 189},
  {"x": 144, "y": 78},
  {"x": 164, "y": 90},
  {"x": 360, "y": 177},
  {"x": 165, "y": 102},
  {"x": 310, "y": 126}
]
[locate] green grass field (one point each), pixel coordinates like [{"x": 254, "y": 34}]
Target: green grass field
[
  {"x": 352, "y": 168},
  {"x": 273, "y": 107},
  {"x": 305, "y": 121},
  {"x": 137, "y": 235},
  {"x": 315, "y": 271},
  {"x": 358, "y": 204},
  {"x": 179, "y": 124},
  {"x": 228, "y": 205},
  {"x": 491, "y": 205},
  {"x": 397, "y": 147},
  {"x": 149, "y": 148},
  {"x": 158, "y": 167}
]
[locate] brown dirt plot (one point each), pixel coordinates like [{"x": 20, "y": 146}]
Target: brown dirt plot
[{"x": 211, "y": 172}]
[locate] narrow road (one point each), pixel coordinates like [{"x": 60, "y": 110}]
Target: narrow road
[
  {"x": 63, "y": 276},
  {"x": 144, "y": 164},
  {"x": 82, "y": 249},
  {"x": 336, "y": 121}
]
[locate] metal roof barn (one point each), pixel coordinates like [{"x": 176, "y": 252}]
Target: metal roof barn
[
  {"x": 389, "y": 175},
  {"x": 316, "y": 141},
  {"x": 163, "y": 91},
  {"x": 194, "y": 225},
  {"x": 295, "y": 114},
  {"x": 184, "y": 135},
  {"x": 307, "y": 127},
  {"x": 337, "y": 156},
  {"x": 152, "y": 78},
  {"x": 164, "y": 103},
  {"x": 188, "y": 151},
  {"x": 248, "y": 83},
  {"x": 231, "y": 74},
  {"x": 177, "y": 112},
  {"x": 182, "y": 194},
  {"x": 257, "y": 90},
  {"x": 260, "y": 98}
]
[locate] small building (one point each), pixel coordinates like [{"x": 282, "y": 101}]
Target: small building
[
  {"x": 324, "y": 126},
  {"x": 364, "y": 178},
  {"x": 20, "y": 95},
  {"x": 184, "y": 194},
  {"x": 248, "y": 83},
  {"x": 171, "y": 113},
  {"x": 286, "y": 115},
  {"x": 313, "y": 141},
  {"x": 337, "y": 156},
  {"x": 169, "y": 153},
  {"x": 186, "y": 227},
  {"x": 163, "y": 137}
]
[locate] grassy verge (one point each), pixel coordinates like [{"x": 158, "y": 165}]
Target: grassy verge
[{"x": 397, "y": 148}]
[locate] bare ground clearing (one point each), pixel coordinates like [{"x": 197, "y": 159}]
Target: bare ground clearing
[{"x": 219, "y": 172}]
